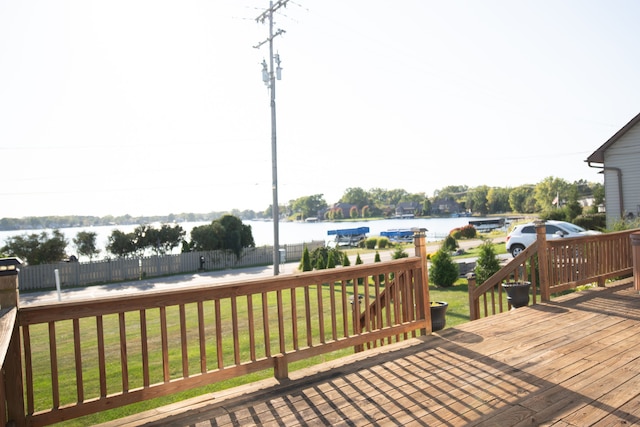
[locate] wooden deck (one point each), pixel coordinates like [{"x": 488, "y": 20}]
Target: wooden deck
[{"x": 572, "y": 362}]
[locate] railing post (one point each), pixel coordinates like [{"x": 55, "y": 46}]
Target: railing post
[
  {"x": 12, "y": 367},
  {"x": 543, "y": 262},
  {"x": 422, "y": 292},
  {"x": 474, "y": 303},
  {"x": 635, "y": 248}
]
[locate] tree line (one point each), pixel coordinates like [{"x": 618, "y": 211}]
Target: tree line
[
  {"x": 226, "y": 233},
  {"x": 549, "y": 194}
]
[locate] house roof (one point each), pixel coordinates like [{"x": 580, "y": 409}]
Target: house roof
[{"x": 598, "y": 155}]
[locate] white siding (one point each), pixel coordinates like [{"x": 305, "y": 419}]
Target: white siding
[{"x": 625, "y": 155}]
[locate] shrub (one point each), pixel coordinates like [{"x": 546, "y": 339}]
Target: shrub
[
  {"x": 450, "y": 244},
  {"x": 444, "y": 271},
  {"x": 468, "y": 232},
  {"x": 597, "y": 221},
  {"x": 371, "y": 243},
  {"x": 305, "y": 262},
  {"x": 331, "y": 260},
  {"x": 383, "y": 242},
  {"x": 399, "y": 253},
  {"x": 358, "y": 262},
  {"x": 487, "y": 263},
  {"x": 345, "y": 260}
]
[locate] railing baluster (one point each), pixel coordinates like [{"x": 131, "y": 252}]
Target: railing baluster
[
  {"x": 265, "y": 325},
  {"x": 280, "y": 321},
  {"x": 183, "y": 341},
  {"x": 165, "y": 345},
  {"x": 294, "y": 319},
  {"x": 144, "y": 349},
  {"x": 252, "y": 328},
  {"x": 219, "y": 347},
  {"x": 235, "y": 333}
]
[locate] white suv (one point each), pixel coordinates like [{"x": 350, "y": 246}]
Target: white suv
[{"x": 525, "y": 234}]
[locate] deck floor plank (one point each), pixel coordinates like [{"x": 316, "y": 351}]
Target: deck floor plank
[{"x": 570, "y": 362}]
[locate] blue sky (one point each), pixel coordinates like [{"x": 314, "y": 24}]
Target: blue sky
[{"x": 155, "y": 107}]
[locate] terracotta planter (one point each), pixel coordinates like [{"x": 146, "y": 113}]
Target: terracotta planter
[
  {"x": 517, "y": 293},
  {"x": 438, "y": 311}
]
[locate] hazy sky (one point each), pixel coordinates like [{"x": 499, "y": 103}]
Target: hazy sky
[{"x": 155, "y": 107}]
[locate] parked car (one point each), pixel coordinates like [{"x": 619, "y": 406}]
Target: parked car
[{"x": 525, "y": 234}]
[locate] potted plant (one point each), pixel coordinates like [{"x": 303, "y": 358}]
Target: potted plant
[
  {"x": 517, "y": 293},
  {"x": 438, "y": 311}
]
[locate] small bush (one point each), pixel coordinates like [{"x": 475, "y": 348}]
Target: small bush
[
  {"x": 371, "y": 243},
  {"x": 399, "y": 253},
  {"x": 487, "y": 263},
  {"x": 305, "y": 262},
  {"x": 383, "y": 242},
  {"x": 444, "y": 271},
  {"x": 596, "y": 221},
  {"x": 468, "y": 232},
  {"x": 450, "y": 244}
]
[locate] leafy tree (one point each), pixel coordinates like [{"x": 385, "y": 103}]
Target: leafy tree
[
  {"x": 308, "y": 206},
  {"x": 226, "y": 233},
  {"x": 487, "y": 263},
  {"x": 521, "y": 199},
  {"x": 121, "y": 244},
  {"x": 498, "y": 200},
  {"x": 37, "y": 248},
  {"x": 305, "y": 262},
  {"x": 573, "y": 207},
  {"x": 444, "y": 271},
  {"x": 169, "y": 238},
  {"x": 598, "y": 196},
  {"x": 353, "y": 212},
  {"x": 476, "y": 199},
  {"x": 547, "y": 190},
  {"x": 85, "y": 242},
  {"x": 455, "y": 192},
  {"x": 356, "y": 196}
]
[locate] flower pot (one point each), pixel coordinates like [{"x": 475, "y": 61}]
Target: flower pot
[
  {"x": 517, "y": 293},
  {"x": 438, "y": 311}
]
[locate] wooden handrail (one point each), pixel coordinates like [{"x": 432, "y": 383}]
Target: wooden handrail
[
  {"x": 554, "y": 266},
  {"x": 194, "y": 335}
]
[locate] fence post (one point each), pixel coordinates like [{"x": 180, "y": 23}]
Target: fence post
[
  {"x": 543, "y": 262},
  {"x": 635, "y": 248},
  {"x": 12, "y": 367},
  {"x": 423, "y": 305}
]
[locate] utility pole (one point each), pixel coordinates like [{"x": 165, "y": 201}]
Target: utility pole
[{"x": 269, "y": 78}]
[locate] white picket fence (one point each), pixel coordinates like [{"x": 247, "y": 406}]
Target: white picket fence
[{"x": 74, "y": 274}]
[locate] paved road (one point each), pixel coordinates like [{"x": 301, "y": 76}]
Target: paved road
[{"x": 189, "y": 280}]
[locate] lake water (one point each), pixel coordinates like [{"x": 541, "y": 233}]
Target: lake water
[{"x": 289, "y": 232}]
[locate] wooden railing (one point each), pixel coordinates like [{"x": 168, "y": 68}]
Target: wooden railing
[
  {"x": 83, "y": 357},
  {"x": 489, "y": 298},
  {"x": 11, "y": 403},
  {"x": 554, "y": 266}
]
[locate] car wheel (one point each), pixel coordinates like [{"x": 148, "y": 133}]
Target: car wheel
[{"x": 516, "y": 249}]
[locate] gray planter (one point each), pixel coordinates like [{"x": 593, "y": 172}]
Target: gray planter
[
  {"x": 517, "y": 293},
  {"x": 438, "y": 312}
]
